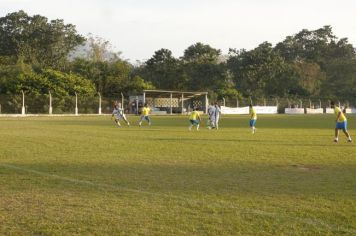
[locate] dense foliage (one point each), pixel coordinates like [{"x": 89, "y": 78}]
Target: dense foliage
[{"x": 36, "y": 56}]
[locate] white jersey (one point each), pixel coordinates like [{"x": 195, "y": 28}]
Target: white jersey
[
  {"x": 211, "y": 112},
  {"x": 217, "y": 112},
  {"x": 118, "y": 112}
]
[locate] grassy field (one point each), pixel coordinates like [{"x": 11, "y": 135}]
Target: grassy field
[{"x": 84, "y": 176}]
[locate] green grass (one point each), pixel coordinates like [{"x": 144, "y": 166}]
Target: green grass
[{"x": 84, "y": 176}]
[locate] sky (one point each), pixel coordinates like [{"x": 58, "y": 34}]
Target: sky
[{"x": 138, "y": 28}]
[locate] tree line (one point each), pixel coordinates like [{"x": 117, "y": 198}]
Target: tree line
[{"x": 38, "y": 55}]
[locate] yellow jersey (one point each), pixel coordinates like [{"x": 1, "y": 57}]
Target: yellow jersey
[
  {"x": 146, "y": 111},
  {"x": 194, "y": 115},
  {"x": 342, "y": 117},
  {"x": 253, "y": 114}
]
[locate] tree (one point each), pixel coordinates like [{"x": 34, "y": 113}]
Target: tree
[
  {"x": 323, "y": 63},
  {"x": 163, "y": 71},
  {"x": 110, "y": 77},
  {"x": 21, "y": 77},
  {"x": 260, "y": 72},
  {"x": 317, "y": 46},
  {"x": 203, "y": 68},
  {"x": 37, "y": 41},
  {"x": 310, "y": 78},
  {"x": 201, "y": 53},
  {"x": 341, "y": 80}
]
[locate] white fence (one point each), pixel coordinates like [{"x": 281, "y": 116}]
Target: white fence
[
  {"x": 294, "y": 111},
  {"x": 274, "y": 110},
  {"x": 315, "y": 111},
  {"x": 245, "y": 110},
  {"x": 30, "y": 104}
]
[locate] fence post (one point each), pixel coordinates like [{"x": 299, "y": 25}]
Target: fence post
[
  {"x": 320, "y": 103},
  {"x": 50, "y": 103},
  {"x": 264, "y": 101},
  {"x": 310, "y": 104},
  {"x": 23, "y": 112},
  {"x": 301, "y": 103},
  {"x": 0, "y": 108},
  {"x": 99, "y": 111},
  {"x": 277, "y": 103},
  {"x": 237, "y": 102},
  {"x": 224, "y": 101},
  {"x": 122, "y": 101},
  {"x": 76, "y": 103},
  {"x": 182, "y": 103},
  {"x": 171, "y": 104},
  {"x": 206, "y": 103}
]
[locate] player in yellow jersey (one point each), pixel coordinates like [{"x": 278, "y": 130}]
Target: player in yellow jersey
[
  {"x": 194, "y": 119},
  {"x": 253, "y": 118},
  {"x": 145, "y": 115},
  {"x": 341, "y": 123}
]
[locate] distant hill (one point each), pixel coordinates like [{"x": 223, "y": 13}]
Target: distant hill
[{"x": 86, "y": 52}]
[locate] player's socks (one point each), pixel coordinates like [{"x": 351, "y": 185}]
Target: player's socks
[
  {"x": 336, "y": 140},
  {"x": 197, "y": 127}
]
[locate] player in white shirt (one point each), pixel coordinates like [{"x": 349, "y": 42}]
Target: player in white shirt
[
  {"x": 211, "y": 115},
  {"x": 118, "y": 114},
  {"x": 217, "y": 115}
]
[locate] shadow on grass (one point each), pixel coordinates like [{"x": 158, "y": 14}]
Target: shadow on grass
[
  {"x": 258, "y": 141},
  {"x": 219, "y": 179},
  {"x": 264, "y": 122}
]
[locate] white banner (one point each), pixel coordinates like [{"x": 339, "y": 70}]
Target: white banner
[
  {"x": 245, "y": 110},
  {"x": 294, "y": 110},
  {"x": 234, "y": 110},
  {"x": 329, "y": 111},
  {"x": 266, "y": 109},
  {"x": 351, "y": 110},
  {"x": 315, "y": 111},
  {"x": 348, "y": 110}
]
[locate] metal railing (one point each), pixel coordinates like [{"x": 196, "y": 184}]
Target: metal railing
[{"x": 50, "y": 104}]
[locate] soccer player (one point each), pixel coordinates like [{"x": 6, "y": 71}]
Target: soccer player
[
  {"x": 145, "y": 115},
  {"x": 341, "y": 123},
  {"x": 217, "y": 115},
  {"x": 194, "y": 119},
  {"x": 118, "y": 113},
  {"x": 211, "y": 116},
  {"x": 253, "y": 118}
]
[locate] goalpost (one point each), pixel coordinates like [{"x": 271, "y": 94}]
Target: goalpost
[{"x": 172, "y": 102}]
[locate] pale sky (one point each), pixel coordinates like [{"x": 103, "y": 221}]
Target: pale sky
[{"x": 138, "y": 28}]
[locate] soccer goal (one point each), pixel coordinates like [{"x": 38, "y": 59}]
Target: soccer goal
[{"x": 169, "y": 102}]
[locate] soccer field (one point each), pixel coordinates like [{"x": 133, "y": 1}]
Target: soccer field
[{"x": 84, "y": 175}]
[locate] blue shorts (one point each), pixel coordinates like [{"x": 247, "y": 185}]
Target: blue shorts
[
  {"x": 341, "y": 125},
  {"x": 252, "y": 123},
  {"x": 194, "y": 122},
  {"x": 147, "y": 118}
]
